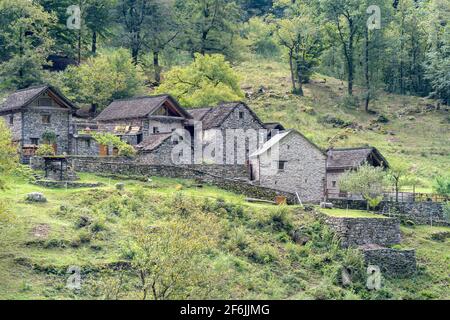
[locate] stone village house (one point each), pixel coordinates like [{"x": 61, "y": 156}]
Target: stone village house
[
  {"x": 299, "y": 166},
  {"x": 32, "y": 112},
  {"x": 148, "y": 124},
  {"x": 341, "y": 160}
]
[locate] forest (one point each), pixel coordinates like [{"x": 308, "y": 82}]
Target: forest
[{"x": 119, "y": 48}]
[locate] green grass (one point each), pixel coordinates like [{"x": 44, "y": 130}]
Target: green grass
[
  {"x": 344, "y": 213},
  {"x": 255, "y": 256}
]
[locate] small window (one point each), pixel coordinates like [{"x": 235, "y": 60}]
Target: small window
[
  {"x": 241, "y": 115},
  {"x": 34, "y": 141},
  {"x": 155, "y": 130},
  {"x": 11, "y": 120},
  {"x": 88, "y": 143},
  {"x": 46, "y": 119},
  {"x": 45, "y": 102},
  {"x": 281, "y": 165},
  {"x": 333, "y": 183},
  {"x": 288, "y": 147}
]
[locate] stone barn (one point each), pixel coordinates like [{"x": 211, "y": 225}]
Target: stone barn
[
  {"x": 35, "y": 111},
  {"x": 240, "y": 123},
  {"x": 342, "y": 160},
  {"x": 291, "y": 162}
]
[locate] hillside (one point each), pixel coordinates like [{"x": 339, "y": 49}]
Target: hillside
[
  {"x": 415, "y": 133},
  {"x": 250, "y": 252}
]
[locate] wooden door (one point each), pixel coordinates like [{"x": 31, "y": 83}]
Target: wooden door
[{"x": 103, "y": 150}]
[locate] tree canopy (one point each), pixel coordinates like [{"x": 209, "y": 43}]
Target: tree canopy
[{"x": 205, "y": 82}]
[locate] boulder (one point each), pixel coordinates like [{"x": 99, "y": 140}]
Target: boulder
[
  {"x": 120, "y": 186},
  {"x": 326, "y": 205},
  {"x": 36, "y": 197}
]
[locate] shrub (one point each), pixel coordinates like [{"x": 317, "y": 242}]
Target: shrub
[
  {"x": 382, "y": 119},
  {"x": 97, "y": 226},
  {"x": 45, "y": 150},
  {"x": 336, "y": 122},
  {"x": 442, "y": 185},
  {"x": 446, "y": 209}
]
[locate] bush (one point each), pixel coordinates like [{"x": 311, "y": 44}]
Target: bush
[
  {"x": 334, "y": 121},
  {"x": 382, "y": 119},
  {"x": 45, "y": 150}
]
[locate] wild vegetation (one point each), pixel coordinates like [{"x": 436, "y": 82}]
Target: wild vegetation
[{"x": 168, "y": 239}]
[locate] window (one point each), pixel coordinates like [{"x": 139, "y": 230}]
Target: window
[
  {"x": 34, "y": 141},
  {"x": 11, "y": 120},
  {"x": 46, "y": 119},
  {"x": 333, "y": 183},
  {"x": 45, "y": 102},
  {"x": 281, "y": 165},
  {"x": 88, "y": 143},
  {"x": 140, "y": 137},
  {"x": 155, "y": 130},
  {"x": 241, "y": 115}
]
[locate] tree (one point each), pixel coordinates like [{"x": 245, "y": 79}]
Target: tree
[
  {"x": 24, "y": 43},
  {"x": 207, "y": 81},
  {"x": 301, "y": 36},
  {"x": 442, "y": 185},
  {"x": 367, "y": 181},
  {"x": 8, "y": 153},
  {"x": 346, "y": 19},
  {"x": 167, "y": 258},
  {"x": 437, "y": 65},
  {"x": 211, "y": 25},
  {"x": 101, "y": 79},
  {"x": 134, "y": 14},
  {"x": 98, "y": 20},
  {"x": 399, "y": 175},
  {"x": 163, "y": 28}
]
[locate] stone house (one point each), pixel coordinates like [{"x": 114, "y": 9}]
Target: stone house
[
  {"x": 291, "y": 162},
  {"x": 234, "y": 128},
  {"x": 344, "y": 159},
  {"x": 135, "y": 119},
  {"x": 37, "y": 110}
]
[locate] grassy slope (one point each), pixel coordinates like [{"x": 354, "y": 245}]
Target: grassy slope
[
  {"x": 421, "y": 139},
  {"x": 258, "y": 254}
]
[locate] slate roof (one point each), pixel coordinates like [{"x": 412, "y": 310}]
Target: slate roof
[
  {"x": 214, "y": 117},
  {"x": 138, "y": 107},
  {"x": 277, "y": 138},
  {"x": 153, "y": 141},
  {"x": 21, "y": 98},
  {"x": 347, "y": 158}
]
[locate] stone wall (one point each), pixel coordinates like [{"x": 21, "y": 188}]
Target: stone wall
[
  {"x": 211, "y": 174},
  {"x": 418, "y": 212},
  {"x": 364, "y": 231},
  {"x": 15, "y": 126},
  {"x": 59, "y": 124},
  {"x": 392, "y": 262}
]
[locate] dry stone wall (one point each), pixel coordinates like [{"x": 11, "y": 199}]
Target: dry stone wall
[{"x": 364, "y": 231}]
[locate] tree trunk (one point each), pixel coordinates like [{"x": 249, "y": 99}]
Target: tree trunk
[
  {"x": 94, "y": 42},
  {"x": 396, "y": 191},
  {"x": 350, "y": 63},
  {"x": 366, "y": 71},
  {"x": 299, "y": 77},
  {"x": 93, "y": 108},
  {"x": 157, "y": 67},
  {"x": 79, "y": 46},
  {"x": 291, "y": 66}
]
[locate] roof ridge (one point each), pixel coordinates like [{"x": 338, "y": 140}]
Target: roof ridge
[
  {"x": 31, "y": 88},
  {"x": 143, "y": 97},
  {"x": 351, "y": 148}
]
